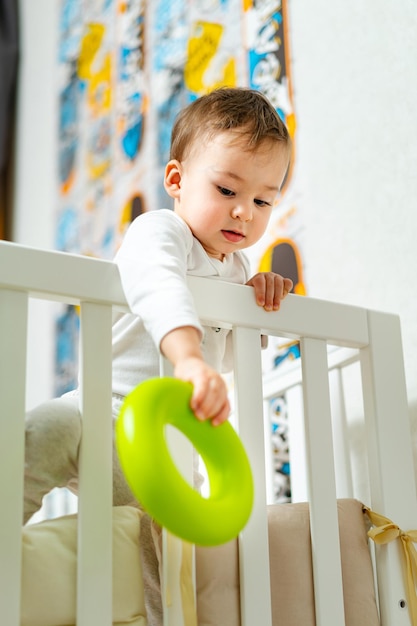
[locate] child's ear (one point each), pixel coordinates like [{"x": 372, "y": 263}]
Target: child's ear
[{"x": 172, "y": 178}]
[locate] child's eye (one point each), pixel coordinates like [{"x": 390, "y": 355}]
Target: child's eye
[
  {"x": 225, "y": 192},
  {"x": 261, "y": 202}
]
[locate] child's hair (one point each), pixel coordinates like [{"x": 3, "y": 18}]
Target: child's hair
[{"x": 246, "y": 111}]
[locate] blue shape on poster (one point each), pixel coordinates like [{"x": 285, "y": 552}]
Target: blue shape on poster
[
  {"x": 67, "y": 232},
  {"x": 69, "y": 30},
  {"x": 285, "y": 469},
  {"x": 290, "y": 353},
  {"x": 66, "y": 351},
  {"x": 68, "y": 128},
  {"x": 131, "y": 138}
]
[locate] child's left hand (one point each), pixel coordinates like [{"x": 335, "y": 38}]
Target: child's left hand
[{"x": 270, "y": 289}]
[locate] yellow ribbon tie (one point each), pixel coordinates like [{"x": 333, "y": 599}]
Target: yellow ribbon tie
[
  {"x": 187, "y": 585},
  {"x": 186, "y": 580},
  {"x": 385, "y": 531}
]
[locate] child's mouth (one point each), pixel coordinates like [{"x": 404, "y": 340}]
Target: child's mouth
[{"x": 232, "y": 236}]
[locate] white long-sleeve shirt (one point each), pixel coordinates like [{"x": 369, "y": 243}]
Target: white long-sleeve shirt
[{"x": 157, "y": 253}]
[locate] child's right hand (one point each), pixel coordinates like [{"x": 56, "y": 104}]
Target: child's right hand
[
  {"x": 270, "y": 289},
  {"x": 210, "y": 398}
]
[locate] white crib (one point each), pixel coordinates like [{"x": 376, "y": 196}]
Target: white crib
[{"x": 94, "y": 285}]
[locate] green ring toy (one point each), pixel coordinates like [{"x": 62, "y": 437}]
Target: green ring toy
[{"x": 157, "y": 483}]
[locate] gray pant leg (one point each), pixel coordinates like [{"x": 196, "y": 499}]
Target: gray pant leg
[
  {"x": 53, "y": 433},
  {"x": 52, "y": 440}
]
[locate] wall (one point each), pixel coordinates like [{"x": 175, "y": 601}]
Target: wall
[
  {"x": 356, "y": 96},
  {"x": 35, "y": 192},
  {"x": 35, "y": 171}
]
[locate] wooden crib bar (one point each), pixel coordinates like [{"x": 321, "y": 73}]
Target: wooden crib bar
[
  {"x": 13, "y": 322},
  {"x": 94, "y": 592},
  {"x": 321, "y": 484},
  {"x": 253, "y": 549},
  {"x": 95, "y": 286},
  {"x": 391, "y": 465}
]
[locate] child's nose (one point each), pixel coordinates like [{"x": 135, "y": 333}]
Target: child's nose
[{"x": 243, "y": 211}]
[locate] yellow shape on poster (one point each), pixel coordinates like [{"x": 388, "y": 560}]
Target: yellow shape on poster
[
  {"x": 99, "y": 89},
  {"x": 229, "y": 74},
  {"x": 290, "y": 122},
  {"x": 97, "y": 170},
  {"x": 99, "y": 82},
  {"x": 125, "y": 216},
  {"x": 90, "y": 45},
  {"x": 202, "y": 48}
]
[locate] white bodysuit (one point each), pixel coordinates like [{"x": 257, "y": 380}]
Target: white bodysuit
[{"x": 157, "y": 253}]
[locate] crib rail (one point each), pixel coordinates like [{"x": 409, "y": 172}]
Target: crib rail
[
  {"x": 95, "y": 286},
  {"x": 59, "y": 276}
]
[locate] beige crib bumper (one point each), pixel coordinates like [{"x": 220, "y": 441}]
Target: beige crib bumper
[
  {"x": 291, "y": 571},
  {"x": 49, "y": 571},
  {"x": 49, "y": 565}
]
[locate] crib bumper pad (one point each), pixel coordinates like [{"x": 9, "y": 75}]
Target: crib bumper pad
[
  {"x": 49, "y": 562},
  {"x": 292, "y": 591}
]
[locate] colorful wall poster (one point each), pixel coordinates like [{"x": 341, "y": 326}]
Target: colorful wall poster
[{"x": 126, "y": 68}]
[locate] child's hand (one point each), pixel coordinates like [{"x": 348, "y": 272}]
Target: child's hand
[
  {"x": 209, "y": 399},
  {"x": 270, "y": 289}
]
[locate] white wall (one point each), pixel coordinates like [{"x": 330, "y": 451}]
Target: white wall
[
  {"x": 36, "y": 167},
  {"x": 35, "y": 172},
  {"x": 354, "y": 74}
]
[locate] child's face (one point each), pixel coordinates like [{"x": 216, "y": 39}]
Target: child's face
[{"x": 225, "y": 193}]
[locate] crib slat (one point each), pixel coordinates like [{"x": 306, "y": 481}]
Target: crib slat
[
  {"x": 13, "y": 336},
  {"x": 343, "y": 466},
  {"x": 94, "y": 584},
  {"x": 327, "y": 570},
  {"x": 179, "y": 607},
  {"x": 255, "y": 596},
  {"x": 172, "y": 547},
  {"x": 391, "y": 468}
]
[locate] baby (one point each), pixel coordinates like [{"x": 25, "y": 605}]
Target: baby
[{"x": 229, "y": 156}]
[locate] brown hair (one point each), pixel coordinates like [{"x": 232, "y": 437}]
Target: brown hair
[{"x": 246, "y": 111}]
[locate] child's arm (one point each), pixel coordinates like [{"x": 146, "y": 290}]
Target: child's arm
[
  {"x": 270, "y": 289},
  {"x": 181, "y": 346}
]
